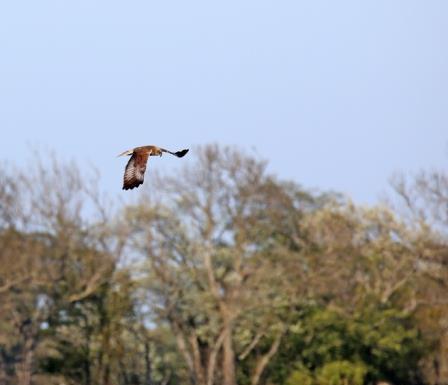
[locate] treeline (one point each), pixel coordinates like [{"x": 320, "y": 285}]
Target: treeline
[{"x": 219, "y": 274}]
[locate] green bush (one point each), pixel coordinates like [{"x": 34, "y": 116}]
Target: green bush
[
  {"x": 341, "y": 373},
  {"x": 300, "y": 376}
]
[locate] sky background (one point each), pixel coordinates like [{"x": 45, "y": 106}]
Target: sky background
[{"x": 334, "y": 94}]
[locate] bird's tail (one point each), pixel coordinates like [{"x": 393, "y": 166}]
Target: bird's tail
[
  {"x": 127, "y": 152},
  {"x": 179, "y": 154}
]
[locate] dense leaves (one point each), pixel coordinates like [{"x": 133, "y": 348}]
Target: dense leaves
[{"x": 219, "y": 274}]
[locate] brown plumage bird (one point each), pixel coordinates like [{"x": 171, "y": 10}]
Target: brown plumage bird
[{"x": 134, "y": 173}]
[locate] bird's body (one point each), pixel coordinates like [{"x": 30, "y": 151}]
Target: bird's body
[{"x": 134, "y": 173}]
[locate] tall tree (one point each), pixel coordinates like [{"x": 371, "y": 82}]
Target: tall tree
[
  {"x": 422, "y": 200},
  {"x": 210, "y": 274}
]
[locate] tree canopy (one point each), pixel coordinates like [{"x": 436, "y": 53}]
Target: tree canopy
[{"x": 220, "y": 273}]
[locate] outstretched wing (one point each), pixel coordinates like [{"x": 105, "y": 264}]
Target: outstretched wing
[
  {"x": 134, "y": 174},
  {"x": 182, "y": 153},
  {"x": 179, "y": 154}
]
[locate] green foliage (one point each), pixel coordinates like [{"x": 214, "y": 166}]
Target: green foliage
[
  {"x": 378, "y": 343},
  {"x": 341, "y": 373},
  {"x": 300, "y": 376},
  {"x": 332, "y": 373}
]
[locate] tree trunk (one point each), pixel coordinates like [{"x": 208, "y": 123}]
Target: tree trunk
[
  {"x": 25, "y": 367},
  {"x": 228, "y": 365},
  {"x": 106, "y": 374},
  {"x": 148, "y": 368},
  {"x": 264, "y": 360},
  {"x": 197, "y": 361},
  {"x": 86, "y": 366},
  {"x": 3, "y": 375},
  {"x": 212, "y": 359}
]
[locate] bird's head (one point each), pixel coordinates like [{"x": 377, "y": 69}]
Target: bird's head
[{"x": 156, "y": 152}]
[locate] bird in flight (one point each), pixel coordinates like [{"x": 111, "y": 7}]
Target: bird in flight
[{"x": 134, "y": 173}]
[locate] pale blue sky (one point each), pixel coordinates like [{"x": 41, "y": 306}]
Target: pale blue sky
[{"x": 335, "y": 94}]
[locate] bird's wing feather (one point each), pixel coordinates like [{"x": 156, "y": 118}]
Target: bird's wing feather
[
  {"x": 179, "y": 154},
  {"x": 134, "y": 173}
]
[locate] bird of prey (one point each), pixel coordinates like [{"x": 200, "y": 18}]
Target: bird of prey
[{"x": 134, "y": 172}]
